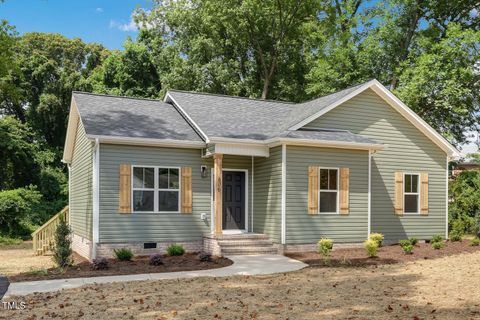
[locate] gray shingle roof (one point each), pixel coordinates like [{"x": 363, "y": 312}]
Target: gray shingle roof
[
  {"x": 127, "y": 117},
  {"x": 244, "y": 118},
  {"x": 234, "y": 117}
]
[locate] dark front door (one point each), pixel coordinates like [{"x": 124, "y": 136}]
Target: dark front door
[{"x": 233, "y": 200}]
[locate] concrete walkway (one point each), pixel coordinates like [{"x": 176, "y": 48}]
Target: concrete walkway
[{"x": 242, "y": 265}]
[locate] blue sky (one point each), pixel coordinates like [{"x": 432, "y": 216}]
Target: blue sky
[{"x": 104, "y": 21}]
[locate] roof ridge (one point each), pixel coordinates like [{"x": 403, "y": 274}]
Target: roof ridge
[
  {"x": 116, "y": 96},
  {"x": 329, "y": 94},
  {"x": 229, "y": 96}
]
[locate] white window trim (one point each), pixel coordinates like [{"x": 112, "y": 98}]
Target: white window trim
[
  {"x": 156, "y": 189},
  {"x": 324, "y": 190},
  {"x": 411, "y": 193}
]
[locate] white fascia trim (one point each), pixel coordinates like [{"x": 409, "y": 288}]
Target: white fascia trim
[
  {"x": 398, "y": 105},
  {"x": 446, "y": 199},
  {"x": 169, "y": 98},
  {"x": 96, "y": 198},
  {"x": 325, "y": 143},
  {"x": 73, "y": 119},
  {"x": 284, "y": 194},
  {"x": 369, "y": 200},
  {"x": 148, "y": 141},
  {"x": 301, "y": 142}
]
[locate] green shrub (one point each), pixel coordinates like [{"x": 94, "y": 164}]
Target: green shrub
[
  {"x": 371, "y": 247},
  {"x": 123, "y": 254},
  {"x": 6, "y": 241},
  {"x": 377, "y": 237},
  {"x": 62, "y": 252},
  {"x": 325, "y": 247},
  {"x": 404, "y": 243},
  {"x": 436, "y": 238},
  {"x": 175, "y": 250},
  {"x": 455, "y": 236},
  {"x": 437, "y": 245},
  {"x": 475, "y": 242},
  {"x": 413, "y": 241},
  {"x": 476, "y": 225},
  {"x": 407, "y": 249}
]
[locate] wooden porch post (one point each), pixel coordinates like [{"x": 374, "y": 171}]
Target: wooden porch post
[{"x": 218, "y": 186}]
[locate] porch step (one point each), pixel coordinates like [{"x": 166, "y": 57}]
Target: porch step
[
  {"x": 246, "y": 244},
  {"x": 248, "y": 250}
]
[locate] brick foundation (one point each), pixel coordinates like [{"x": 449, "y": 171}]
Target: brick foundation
[
  {"x": 106, "y": 249},
  {"x": 82, "y": 246}
]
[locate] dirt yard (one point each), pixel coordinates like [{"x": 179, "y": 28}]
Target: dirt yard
[
  {"x": 443, "y": 288},
  {"x": 357, "y": 257},
  {"x": 16, "y": 259},
  {"x": 83, "y": 268}
]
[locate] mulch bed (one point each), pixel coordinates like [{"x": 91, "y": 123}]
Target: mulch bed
[
  {"x": 83, "y": 268},
  {"x": 357, "y": 257}
]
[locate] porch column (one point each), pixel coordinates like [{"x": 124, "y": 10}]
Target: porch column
[{"x": 218, "y": 187}]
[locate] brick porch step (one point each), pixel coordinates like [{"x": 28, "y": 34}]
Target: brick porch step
[
  {"x": 248, "y": 250},
  {"x": 245, "y": 244}
]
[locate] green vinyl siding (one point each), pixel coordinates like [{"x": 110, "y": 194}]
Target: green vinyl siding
[
  {"x": 81, "y": 195},
  {"x": 302, "y": 227},
  {"x": 151, "y": 227},
  {"x": 268, "y": 194},
  {"x": 407, "y": 150}
]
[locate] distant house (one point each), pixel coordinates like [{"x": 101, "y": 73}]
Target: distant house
[{"x": 234, "y": 175}]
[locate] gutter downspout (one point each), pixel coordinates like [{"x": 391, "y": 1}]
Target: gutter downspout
[
  {"x": 96, "y": 205},
  {"x": 69, "y": 166}
]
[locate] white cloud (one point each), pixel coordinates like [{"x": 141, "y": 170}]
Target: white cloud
[
  {"x": 131, "y": 25},
  {"x": 99, "y": 10}
]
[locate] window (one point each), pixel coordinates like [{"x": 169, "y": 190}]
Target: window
[
  {"x": 411, "y": 193},
  {"x": 156, "y": 189},
  {"x": 328, "y": 190}
]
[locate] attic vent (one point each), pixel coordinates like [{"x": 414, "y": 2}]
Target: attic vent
[{"x": 150, "y": 245}]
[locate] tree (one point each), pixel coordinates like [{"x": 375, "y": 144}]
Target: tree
[
  {"x": 17, "y": 154},
  {"x": 249, "y": 47}
]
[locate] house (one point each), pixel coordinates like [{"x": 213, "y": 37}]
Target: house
[{"x": 236, "y": 175}]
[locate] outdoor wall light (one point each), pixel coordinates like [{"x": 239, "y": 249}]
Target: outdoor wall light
[{"x": 204, "y": 171}]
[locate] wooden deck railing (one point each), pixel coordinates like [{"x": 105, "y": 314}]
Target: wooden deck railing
[{"x": 44, "y": 237}]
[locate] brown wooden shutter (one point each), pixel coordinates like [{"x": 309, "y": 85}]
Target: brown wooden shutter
[
  {"x": 313, "y": 190},
  {"x": 344, "y": 190},
  {"x": 399, "y": 193},
  {"x": 186, "y": 190},
  {"x": 424, "y": 193},
  {"x": 125, "y": 189}
]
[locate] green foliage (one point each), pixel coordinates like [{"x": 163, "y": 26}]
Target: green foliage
[
  {"x": 464, "y": 190},
  {"x": 6, "y": 241},
  {"x": 325, "y": 247},
  {"x": 62, "y": 252},
  {"x": 407, "y": 249},
  {"x": 436, "y": 238},
  {"x": 413, "y": 241},
  {"x": 475, "y": 242},
  {"x": 377, "y": 237},
  {"x": 371, "y": 247},
  {"x": 16, "y": 208},
  {"x": 175, "y": 250},
  {"x": 437, "y": 245},
  {"x": 476, "y": 225},
  {"x": 404, "y": 243},
  {"x": 123, "y": 254}
]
